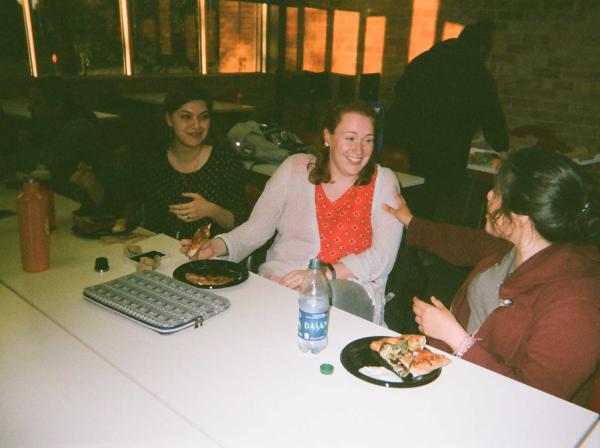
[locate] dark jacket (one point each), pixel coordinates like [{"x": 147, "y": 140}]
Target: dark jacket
[
  {"x": 442, "y": 98},
  {"x": 549, "y": 336}
]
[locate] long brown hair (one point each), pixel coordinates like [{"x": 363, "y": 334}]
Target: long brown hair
[{"x": 319, "y": 169}]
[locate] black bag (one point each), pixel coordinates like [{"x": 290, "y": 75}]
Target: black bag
[{"x": 406, "y": 280}]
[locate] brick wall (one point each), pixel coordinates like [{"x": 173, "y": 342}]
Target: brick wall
[{"x": 546, "y": 59}]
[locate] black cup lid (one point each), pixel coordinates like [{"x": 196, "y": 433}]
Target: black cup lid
[{"x": 101, "y": 264}]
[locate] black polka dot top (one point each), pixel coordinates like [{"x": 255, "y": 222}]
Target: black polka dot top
[{"x": 220, "y": 180}]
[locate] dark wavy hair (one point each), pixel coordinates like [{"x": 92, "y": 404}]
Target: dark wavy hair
[
  {"x": 319, "y": 170},
  {"x": 177, "y": 98},
  {"x": 552, "y": 191}
]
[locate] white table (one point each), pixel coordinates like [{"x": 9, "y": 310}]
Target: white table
[
  {"x": 19, "y": 107},
  {"x": 242, "y": 382},
  {"x": 54, "y": 391},
  {"x": 267, "y": 169},
  {"x": 157, "y": 98},
  {"x": 593, "y": 438}
]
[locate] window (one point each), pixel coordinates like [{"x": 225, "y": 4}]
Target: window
[
  {"x": 13, "y": 50},
  {"x": 315, "y": 30},
  {"x": 164, "y": 36},
  {"x": 77, "y": 37},
  {"x": 238, "y": 39}
]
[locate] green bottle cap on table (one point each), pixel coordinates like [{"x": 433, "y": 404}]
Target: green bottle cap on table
[{"x": 326, "y": 369}]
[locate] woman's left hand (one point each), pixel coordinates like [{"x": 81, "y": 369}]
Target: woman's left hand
[
  {"x": 438, "y": 322},
  {"x": 293, "y": 279},
  {"x": 193, "y": 210}
]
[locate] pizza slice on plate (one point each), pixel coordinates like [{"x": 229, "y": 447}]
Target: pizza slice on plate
[{"x": 406, "y": 355}]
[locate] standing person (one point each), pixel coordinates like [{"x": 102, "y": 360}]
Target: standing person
[
  {"x": 328, "y": 206},
  {"x": 444, "y": 96},
  {"x": 187, "y": 182},
  {"x": 530, "y": 309}
]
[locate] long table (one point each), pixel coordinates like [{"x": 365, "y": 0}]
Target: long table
[
  {"x": 240, "y": 380},
  {"x": 55, "y": 391},
  {"x": 19, "y": 107}
]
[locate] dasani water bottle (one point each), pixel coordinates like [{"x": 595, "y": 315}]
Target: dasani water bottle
[{"x": 314, "y": 302}]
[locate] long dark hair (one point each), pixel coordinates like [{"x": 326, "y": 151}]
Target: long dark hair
[
  {"x": 319, "y": 171},
  {"x": 552, "y": 191}
]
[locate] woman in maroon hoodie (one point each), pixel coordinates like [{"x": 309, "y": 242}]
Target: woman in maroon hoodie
[{"x": 530, "y": 309}]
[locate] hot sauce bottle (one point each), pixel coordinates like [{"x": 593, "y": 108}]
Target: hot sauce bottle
[{"x": 32, "y": 212}]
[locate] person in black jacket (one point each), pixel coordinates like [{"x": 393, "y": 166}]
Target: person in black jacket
[{"x": 445, "y": 95}]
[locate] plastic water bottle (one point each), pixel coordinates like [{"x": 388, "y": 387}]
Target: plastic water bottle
[{"x": 314, "y": 303}]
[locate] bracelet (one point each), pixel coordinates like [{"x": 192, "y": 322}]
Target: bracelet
[
  {"x": 331, "y": 269},
  {"x": 464, "y": 346}
]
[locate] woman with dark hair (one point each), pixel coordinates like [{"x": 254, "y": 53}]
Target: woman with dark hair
[
  {"x": 530, "y": 309},
  {"x": 188, "y": 182},
  {"x": 327, "y": 205}
]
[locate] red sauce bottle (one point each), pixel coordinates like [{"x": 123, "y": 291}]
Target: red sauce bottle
[{"x": 32, "y": 211}]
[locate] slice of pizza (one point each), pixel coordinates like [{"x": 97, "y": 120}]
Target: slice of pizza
[
  {"x": 406, "y": 355},
  {"x": 405, "y": 342},
  {"x": 208, "y": 279},
  {"x": 200, "y": 237},
  {"x": 421, "y": 362}
]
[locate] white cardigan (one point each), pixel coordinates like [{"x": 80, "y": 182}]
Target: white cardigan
[{"x": 287, "y": 206}]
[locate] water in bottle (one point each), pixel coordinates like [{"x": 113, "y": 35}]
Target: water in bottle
[{"x": 314, "y": 303}]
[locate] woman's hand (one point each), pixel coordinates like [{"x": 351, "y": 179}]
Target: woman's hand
[
  {"x": 402, "y": 213},
  {"x": 293, "y": 279},
  {"x": 211, "y": 248},
  {"x": 193, "y": 210},
  {"x": 438, "y": 322},
  {"x": 84, "y": 177}
]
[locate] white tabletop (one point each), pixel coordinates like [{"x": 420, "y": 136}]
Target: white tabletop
[
  {"x": 56, "y": 392},
  {"x": 593, "y": 438},
  {"x": 157, "y": 98},
  {"x": 405, "y": 180},
  {"x": 18, "y": 107},
  {"x": 241, "y": 380}
]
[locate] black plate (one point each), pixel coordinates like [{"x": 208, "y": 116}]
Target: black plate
[
  {"x": 237, "y": 272},
  {"x": 358, "y": 354},
  {"x": 98, "y": 233}
]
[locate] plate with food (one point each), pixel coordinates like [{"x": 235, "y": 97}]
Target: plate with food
[
  {"x": 211, "y": 274},
  {"x": 401, "y": 361},
  {"x": 97, "y": 226}
]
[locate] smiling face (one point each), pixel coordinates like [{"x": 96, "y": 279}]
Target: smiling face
[
  {"x": 350, "y": 145},
  {"x": 190, "y": 124}
]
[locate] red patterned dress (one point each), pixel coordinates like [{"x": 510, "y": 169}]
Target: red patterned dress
[{"x": 345, "y": 224}]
